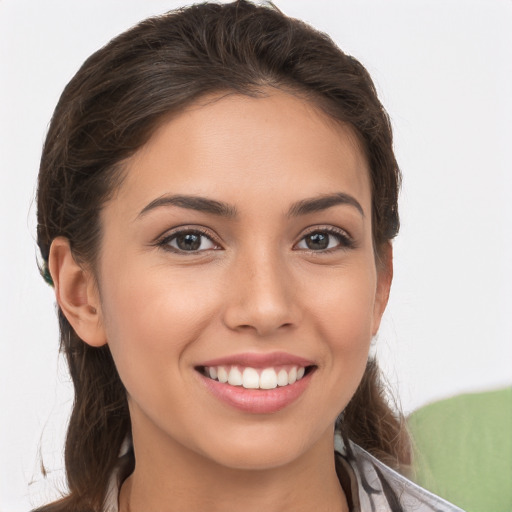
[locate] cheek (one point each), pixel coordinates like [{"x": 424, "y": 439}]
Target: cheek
[
  {"x": 151, "y": 319},
  {"x": 150, "y": 327},
  {"x": 157, "y": 300},
  {"x": 344, "y": 305},
  {"x": 343, "y": 314}
]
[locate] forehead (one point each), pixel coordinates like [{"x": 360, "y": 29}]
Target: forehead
[{"x": 257, "y": 144}]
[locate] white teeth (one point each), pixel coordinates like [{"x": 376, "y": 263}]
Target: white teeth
[
  {"x": 222, "y": 374},
  {"x": 282, "y": 378},
  {"x": 268, "y": 379},
  {"x": 235, "y": 377},
  {"x": 250, "y": 378}
]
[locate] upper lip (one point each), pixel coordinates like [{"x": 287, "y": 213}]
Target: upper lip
[{"x": 258, "y": 360}]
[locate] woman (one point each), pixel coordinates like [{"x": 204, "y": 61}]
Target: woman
[{"x": 217, "y": 196}]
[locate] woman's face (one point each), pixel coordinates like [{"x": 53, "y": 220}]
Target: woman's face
[{"x": 239, "y": 246}]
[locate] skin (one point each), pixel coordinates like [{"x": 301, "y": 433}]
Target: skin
[{"x": 254, "y": 286}]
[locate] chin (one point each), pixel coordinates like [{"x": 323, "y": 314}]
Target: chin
[
  {"x": 255, "y": 459},
  {"x": 260, "y": 449}
]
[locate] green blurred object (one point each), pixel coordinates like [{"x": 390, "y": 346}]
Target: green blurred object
[{"x": 463, "y": 450}]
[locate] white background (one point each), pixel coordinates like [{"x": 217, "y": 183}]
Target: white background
[{"x": 444, "y": 72}]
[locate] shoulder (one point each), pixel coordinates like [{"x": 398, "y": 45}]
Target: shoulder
[{"x": 381, "y": 488}]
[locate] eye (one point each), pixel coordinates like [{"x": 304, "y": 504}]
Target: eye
[
  {"x": 188, "y": 241},
  {"x": 324, "y": 240}
]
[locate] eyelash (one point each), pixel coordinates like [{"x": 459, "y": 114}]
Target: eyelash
[
  {"x": 165, "y": 241},
  {"x": 344, "y": 240}
]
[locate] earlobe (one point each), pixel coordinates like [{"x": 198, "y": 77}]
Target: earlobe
[
  {"x": 76, "y": 293},
  {"x": 384, "y": 279}
]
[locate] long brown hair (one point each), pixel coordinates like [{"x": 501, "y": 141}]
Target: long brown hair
[{"x": 112, "y": 106}]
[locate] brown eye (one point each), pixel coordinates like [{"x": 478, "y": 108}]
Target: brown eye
[
  {"x": 324, "y": 240},
  {"x": 188, "y": 241},
  {"x": 317, "y": 241}
]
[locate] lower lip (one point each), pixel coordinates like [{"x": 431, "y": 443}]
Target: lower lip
[{"x": 257, "y": 401}]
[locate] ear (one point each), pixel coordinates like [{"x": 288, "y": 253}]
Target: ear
[
  {"x": 384, "y": 279},
  {"x": 76, "y": 293}
]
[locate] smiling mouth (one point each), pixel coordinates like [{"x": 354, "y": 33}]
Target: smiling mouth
[{"x": 256, "y": 378}]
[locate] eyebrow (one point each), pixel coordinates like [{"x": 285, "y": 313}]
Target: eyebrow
[
  {"x": 322, "y": 203},
  {"x": 203, "y": 204}
]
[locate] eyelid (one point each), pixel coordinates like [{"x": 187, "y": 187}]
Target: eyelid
[
  {"x": 163, "y": 239},
  {"x": 326, "y": 227},
  {"x": 346, "y": 239}
]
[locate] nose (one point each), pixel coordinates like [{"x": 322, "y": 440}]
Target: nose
[{"x": 261, "y": 296}]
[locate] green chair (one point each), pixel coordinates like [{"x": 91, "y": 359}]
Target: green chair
[{"x": 463, "y": 450}]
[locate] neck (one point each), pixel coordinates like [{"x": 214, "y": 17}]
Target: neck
[{"x": 169, "y": 477}]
